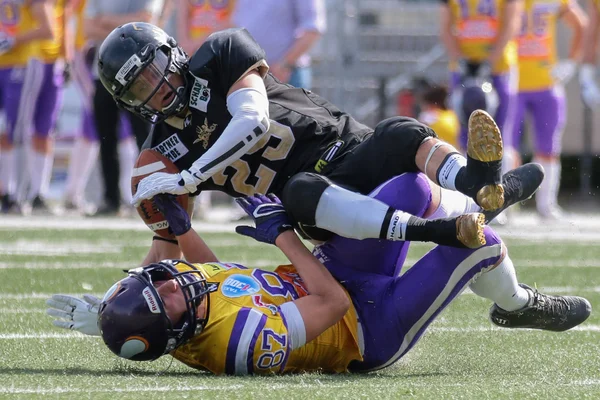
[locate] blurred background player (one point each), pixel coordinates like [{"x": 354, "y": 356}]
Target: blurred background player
[
  {"x": 84, "y": 153},
  {"x": 196, "y": 19},
  {"x": 479, "y": 39},
  {"x": 590, "y": 92},
  {"x": 101, "y": 17},
  {"x": 48, "y": 67},
  {"x": 286, "y": 30},
  {"x": 23, "y": 24},
  {"x": 436, "y": 114},
  {"x": 541, "y": 90}
]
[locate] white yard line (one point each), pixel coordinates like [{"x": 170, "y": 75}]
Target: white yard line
[
  {"x": 113, "y": 224},
  {"x": 434, "y": 329},
  {"x": 237, "y": 387},
  {"x": 547, "y": 290},
  {"x": 42, "y": 247},
  {"x": 36, "y": 296},
  {"x": 121, "y": 265},
  {"x": 579, "y": 227},
  {"x": 4, "y": 310},
  {"x": 175, "y": 387}
]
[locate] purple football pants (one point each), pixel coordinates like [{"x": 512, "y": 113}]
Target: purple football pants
[
  {"x": 506, "y": 102},
  {"x": 395, "y": 310},
  {"x": 547, "y": 109},
  {"x": 31, "y": 96}
]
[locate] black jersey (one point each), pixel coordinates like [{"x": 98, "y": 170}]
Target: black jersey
[{"x": 302, "y": 125}]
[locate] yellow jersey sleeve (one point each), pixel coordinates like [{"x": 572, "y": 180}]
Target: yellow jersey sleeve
[
  {"x": 79, "y": 21},
  {"x": 51, "y": 50}
]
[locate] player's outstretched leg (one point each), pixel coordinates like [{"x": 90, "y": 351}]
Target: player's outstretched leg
[
  {"x": 550, "y": 313},
  {"x": 319, "y": 207},
  {"x": 483, "y": 175}
]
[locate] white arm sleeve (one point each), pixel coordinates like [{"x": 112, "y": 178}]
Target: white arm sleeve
[
  {"x": 295, "y": 324},
  {"x": 250, "y": 110}
]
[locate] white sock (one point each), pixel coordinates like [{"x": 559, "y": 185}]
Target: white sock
[
  {"x": 547, "y": 196},
  {"x": 83, "y": 156},
  {"x": 23, "y": 164},
  {"x": 127, "y": 156},
  {"x": 453, "y": 204},
  {"x": 500, "y": 285},
  {"x": 351, "y": 214},
  {"x": 39, "y": 174},
  {"x": 8, "y": 173},
  {"x": 446, "y": 174}
]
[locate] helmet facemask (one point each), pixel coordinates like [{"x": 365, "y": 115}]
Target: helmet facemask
[{"x": 146, "y": 78}]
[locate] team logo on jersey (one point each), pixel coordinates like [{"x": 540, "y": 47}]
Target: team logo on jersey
[
  {"x": 239, "y": 285},
  {"x": 187, "y": 121},
  {"x": 200, "y": 95},
  {"x": 172, "y": 148},
  {"x": 257, "y": 300},
  {"x": 204, "y": 133}
]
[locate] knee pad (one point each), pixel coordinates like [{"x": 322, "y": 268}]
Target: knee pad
[{"x": 300, "y": 197}]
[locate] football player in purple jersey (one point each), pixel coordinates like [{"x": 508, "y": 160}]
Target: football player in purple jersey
[{"x": 345, "y": 307}]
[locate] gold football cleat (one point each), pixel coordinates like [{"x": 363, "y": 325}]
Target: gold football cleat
[
  {"x": 485, "y": 144},
  {"x": 469, "y": 230}
]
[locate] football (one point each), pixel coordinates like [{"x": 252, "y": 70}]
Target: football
[{"x": 150, "y": 161}]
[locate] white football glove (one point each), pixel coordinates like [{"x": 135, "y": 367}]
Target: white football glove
[
  {"x": 6, "y": 43},
  {"x": 563, "y": 71},
  {"x": 590, "y": 93},
  {"x": 162, "y": 182},
  {"x": 75, "y": 314}
]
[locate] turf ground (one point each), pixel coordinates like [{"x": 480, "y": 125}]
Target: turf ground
[{"x": 462, "y": 355}]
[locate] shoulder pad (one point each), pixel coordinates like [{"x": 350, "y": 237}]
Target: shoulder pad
[{"x": 227, "y": 55}]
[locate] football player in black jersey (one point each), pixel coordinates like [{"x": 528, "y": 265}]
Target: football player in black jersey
[{"x": 232, "y": 127}]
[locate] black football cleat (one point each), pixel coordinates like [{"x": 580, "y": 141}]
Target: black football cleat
[
  {"x": 484, "y": 161},
  {"x": 10, "y": 206},
  {"x": 550, "y": 313},
  {"x": 519, "y": 185}
]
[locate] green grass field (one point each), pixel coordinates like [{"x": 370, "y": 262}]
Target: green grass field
[{"x": 462, "y": 356}]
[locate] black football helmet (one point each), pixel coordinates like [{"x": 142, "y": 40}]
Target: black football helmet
[
  {"x": 132, "y": 317},
  {"x": 135, "y": 61}
]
